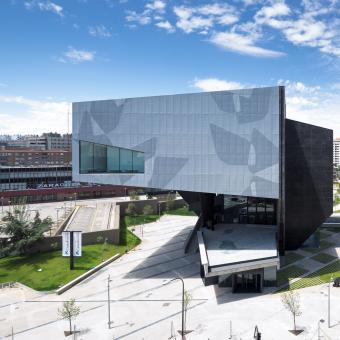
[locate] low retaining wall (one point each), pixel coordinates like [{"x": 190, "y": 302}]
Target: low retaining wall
[
  {"x": 155, "y": 204},
  {"x": 86, "y": 275},
  {"x": 55, "y": 242}
]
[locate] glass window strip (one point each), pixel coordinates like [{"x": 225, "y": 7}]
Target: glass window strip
[{"x": 98, "y": 156}]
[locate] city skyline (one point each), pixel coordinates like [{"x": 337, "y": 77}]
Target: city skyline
[{"x": 56, "y": 52}]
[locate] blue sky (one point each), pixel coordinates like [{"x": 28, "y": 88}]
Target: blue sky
[{"x": 56, "y": 52}]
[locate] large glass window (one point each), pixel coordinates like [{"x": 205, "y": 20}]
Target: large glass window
[
  {"x": 125, "y": 159},
  {"x": 112, "y": 159},
  {"x": 99, "y": 158},
  {"x": 138, "y": 161},
  {"x": 99, "y": 162},
  {"x": 86, "y": 157}
]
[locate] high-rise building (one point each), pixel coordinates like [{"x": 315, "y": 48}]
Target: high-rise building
[
  {"x": 260, "y": 183},
  {"x": 336, "y": 152}
]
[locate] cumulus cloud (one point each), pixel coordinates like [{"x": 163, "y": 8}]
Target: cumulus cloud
[
  {"x": 76, "y": 56},
  {"x": 99, "y": 31},
  {"x": 157, "y": 5},
  {"x": 243, "y": 44},
  {"x": 48, "y": 113},
  {"x": 215, "y": 84},
  {"x": 204, "y": 17},
  {"x": 311, "y": 23},
  {"x": 308, "y": 28},
  {"x": 46, "y": 6},
  {"x": 166, "y": 25},
  {"x": 152, "y": 10}
]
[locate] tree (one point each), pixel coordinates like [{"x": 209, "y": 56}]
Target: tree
[
  {"x": 133, "y": 195},
  {"x": 170, "y": 201},
  {"x": 69, "y": 311},
  {"x": 131, "y": 209},
  {"x": 147, "y": 210},
  {"x": 291, "y": 301},
  {"x": 22, "y": 232},
  {"x": 187, "y": 301}
]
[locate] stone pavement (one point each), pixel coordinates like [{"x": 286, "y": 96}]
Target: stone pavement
[{"x": 142, "y": 307}]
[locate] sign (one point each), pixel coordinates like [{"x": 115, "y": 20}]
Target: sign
[
  {"x": 66, "y": 184},
  {"x": 66, "y": 243}
]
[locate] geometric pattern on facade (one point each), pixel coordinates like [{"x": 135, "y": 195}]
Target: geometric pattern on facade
[{"x": 218, "y": 142}]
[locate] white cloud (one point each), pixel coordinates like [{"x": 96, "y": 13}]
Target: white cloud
[
  {"x": 166, "y": 25},
  {"x": 308, "y": 28},
  {"x": 77, "y": 56},
  {"x": 298, "y": 86},
  {"x": 243, "y": 44},
  {"x": 143, "y": 18},
  {"x": 157, "y": 5},
  {"x": 33, "y": 116},
  {"x": 46, "y": 6},
  {"x": 313, "y": 104},
  {"x": 205, "y": 17},
  {"x": 152, "y": 10},
  {"x": 215, "y": 84},
  {"x": 99, "y": 31}
]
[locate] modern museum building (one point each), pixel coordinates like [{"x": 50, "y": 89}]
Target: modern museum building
[{"x": 260, "y": 183}]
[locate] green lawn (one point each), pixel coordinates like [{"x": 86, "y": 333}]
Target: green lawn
[
  {"x": 292, "y": 257},
  {"x": 55, "y": 268},
  {"x": 289, "y": 273},
  {"x": 139, "y": 219},
  {"x": 319, "y": 277},
  {"x": 323, "y": 258},
  {"x": 323, "y": 245},
  {"x": 184, "y": 211}
]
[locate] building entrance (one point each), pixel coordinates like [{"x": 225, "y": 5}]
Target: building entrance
[{"x": 247, "y": 283}]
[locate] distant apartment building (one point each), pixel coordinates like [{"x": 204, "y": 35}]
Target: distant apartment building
[
  {"x": 47, "y": 141},
  {"x": 336, "y": 152},
  {"x": 57, "y": 141},
  {"x": 34, "y": 157}
]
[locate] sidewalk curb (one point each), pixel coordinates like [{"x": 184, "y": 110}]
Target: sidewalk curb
[{"x": 84, "y": 276}]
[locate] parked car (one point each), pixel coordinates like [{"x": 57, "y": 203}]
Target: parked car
[{"x": 336, "y": 282}]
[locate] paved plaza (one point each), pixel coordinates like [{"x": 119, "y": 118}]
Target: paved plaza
[{"x": 142, "y": 307}]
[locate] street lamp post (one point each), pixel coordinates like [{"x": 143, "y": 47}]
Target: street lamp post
[
  {"x": 329, "y": 302},
  {"x": 167, "y": 282},
  {"x": 75, "y": 198},
  {"x": 108, "y": 301}
]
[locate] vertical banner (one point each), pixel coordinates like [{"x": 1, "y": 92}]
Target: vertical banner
[
  {"x": 66, "y": 243},
  {"x": 66, "y": 246},
  {"x": 77, "y": 243}
]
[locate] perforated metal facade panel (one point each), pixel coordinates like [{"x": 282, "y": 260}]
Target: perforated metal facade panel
[{"x": 218, "y": 142}]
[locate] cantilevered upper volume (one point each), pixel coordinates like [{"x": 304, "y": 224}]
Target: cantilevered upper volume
[
  {"x": 224, "y": 142},
  {"x": 260, "y": 183}
]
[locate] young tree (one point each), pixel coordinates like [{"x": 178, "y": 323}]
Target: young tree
[
  {"x": 187, "y": 301},
  {"x": 291, "y": 301},
  {"x": 131, "y": 209},
  {"x": 133, "y": 195},
  {"x": 170, "y": 201},
  {"x": 22, "y": 231},
  {"x": 69, "y": 311},
  {"x": 147, "y": 210}
]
